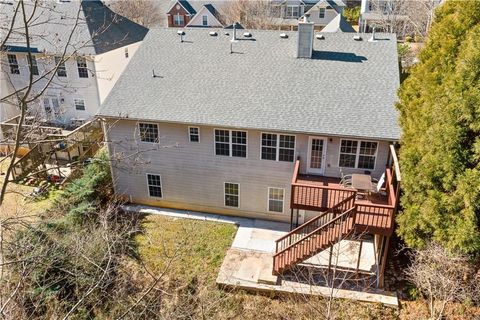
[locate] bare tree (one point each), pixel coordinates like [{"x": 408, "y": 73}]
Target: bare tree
[
  {"x": 250, "y": 14},
  {"x": 443, "y": 277},
  {"x": 144, "y": 12},
  {"x": 403, "y": 17}
]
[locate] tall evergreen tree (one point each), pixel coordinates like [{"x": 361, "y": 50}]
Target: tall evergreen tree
[{"x": 440, "y": 117}]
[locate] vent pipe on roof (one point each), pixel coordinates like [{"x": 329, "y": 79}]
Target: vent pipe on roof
[
  {"x": 305, "y": 38},
  {"x": 234, "y": 34},
  {"x": 373, "y": 38}
]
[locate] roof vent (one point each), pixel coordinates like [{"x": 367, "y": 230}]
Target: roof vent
[
  {"x": 213, "y": 33},
  {"x": 181, "y": 32},
  {"x": 247, "y": 35},
  {"x": 283, "y": 35},
  {"x": 373, "y": 38},
  {"x": 319, "y": 36},
  {"x": 357, "y": 38},
  {"x": 227, "y": 34}
]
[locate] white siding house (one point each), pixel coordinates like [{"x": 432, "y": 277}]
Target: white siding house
[
  {"x": 102, "y": 45},
  {"x": 222, "y": 125}
]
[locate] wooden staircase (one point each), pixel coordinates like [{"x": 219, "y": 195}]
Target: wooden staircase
[{"x": 315, "y": 235}]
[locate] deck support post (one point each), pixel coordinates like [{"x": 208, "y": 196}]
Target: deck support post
[
  {"x": 330, "y": 259},
  {"x": 384, "y": 252},
  {"x": 359, "y": 256},
  {"x": 291, "y": 219}
]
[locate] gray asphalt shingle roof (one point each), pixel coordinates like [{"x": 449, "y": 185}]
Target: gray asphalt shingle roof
[{"x": 348, "y": 88}]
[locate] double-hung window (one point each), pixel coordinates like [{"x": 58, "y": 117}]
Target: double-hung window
[
  {"x": 194, "y": 134},
  {"x": 79, "y": 104},
  {"x": 13, "y": 63},
  {"x": 154, "y": 183},
  {"x": 276, "y": 199},
  {"x": 293, "y": 11},
  {"x": 148, "y": 132},
  {"x": 34, "y": 66},
  {"x": 61, "y": 70},
  {"x": 231, "y": 194},
  {"x": 178, "y": 20},
  {"x": 358, "y": 154},
  {"x": 82, "y": 67},
  {"x": 321, "y": 13},
  {"x": 278, "y": 147},
  {"x": 205, "y": 21},
  {"x": 231, "y": 143}
]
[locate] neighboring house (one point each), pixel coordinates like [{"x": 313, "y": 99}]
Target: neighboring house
[
  {"x": 324, "y": 11},
  {"x": 262, "y": 127},
  {"x": 321, "y": 12},
  {"x": 380, "y": 13},
  {"x": 207, "y": 17},
  {"x": 179, "y": 14},
  {"x": 338, "y": 24},
  {"x": 102, "y": 45}
]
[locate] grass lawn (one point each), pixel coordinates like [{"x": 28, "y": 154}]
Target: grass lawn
[
  {"x": 193, "y": 248},
  {"x": 15, "y": 203},
  {"x": 196, "y": 250}
]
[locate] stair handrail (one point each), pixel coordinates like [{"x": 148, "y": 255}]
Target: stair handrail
[
  {"x": 319, "y": 229},
  {"x": 330, "y": 210},
  {"x": 294, "y": 232}
]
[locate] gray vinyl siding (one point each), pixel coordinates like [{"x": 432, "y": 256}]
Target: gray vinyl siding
[{"x": 193, "y": 176}]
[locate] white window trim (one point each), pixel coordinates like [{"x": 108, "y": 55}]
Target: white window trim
[
  {"x": 18, "y": 64},
  {"x": 189, "y": 140},
  {"x": 75, "y": 105},
  {"x": 277, "y": 147},
  {"x": 324, "y": 13},
  {"x": 268, "y": 201},
  {"x": 357, "y": 154},
  {"x": 140, "y": 138},
  {"x": 225, "y": 193},
  {"x": 175, "y": 20},
  {"x": 229, "y": 143},
  {"x": 161, "y": 185}
]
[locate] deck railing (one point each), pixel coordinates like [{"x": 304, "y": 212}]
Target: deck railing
[{"x": 313, "y": 197}]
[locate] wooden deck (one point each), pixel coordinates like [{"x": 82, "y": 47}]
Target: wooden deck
[{"x": 374, "y": 213}]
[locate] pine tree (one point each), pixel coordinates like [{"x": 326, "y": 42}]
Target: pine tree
[{"x": 440, "y": 118}]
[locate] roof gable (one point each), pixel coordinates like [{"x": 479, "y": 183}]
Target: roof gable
[
  {"x": 185, "y": 5},
  {"x": 338, "y": 24},
  {"x": 207, "y": 8}
]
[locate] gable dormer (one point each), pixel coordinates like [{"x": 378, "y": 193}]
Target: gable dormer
[
  {"x": 207, "y": 17},
  {"x": 180, "y": 14}
]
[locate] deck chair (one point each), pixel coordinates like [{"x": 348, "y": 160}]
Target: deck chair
[
  {"x": 346, "y": 179},
  {"x": 379, "y": 183}
]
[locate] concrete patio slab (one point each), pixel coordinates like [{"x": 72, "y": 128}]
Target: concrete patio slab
[{"x": 247, "y": 275}]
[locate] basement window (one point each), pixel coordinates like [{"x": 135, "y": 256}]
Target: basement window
[
  {"x": 154, "y": 182},
  {"x": 276, "y": 199},
  {"x": 232, "y": 194}
]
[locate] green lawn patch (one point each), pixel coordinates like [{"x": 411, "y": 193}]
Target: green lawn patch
[{"x": 193, "y": 248}]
